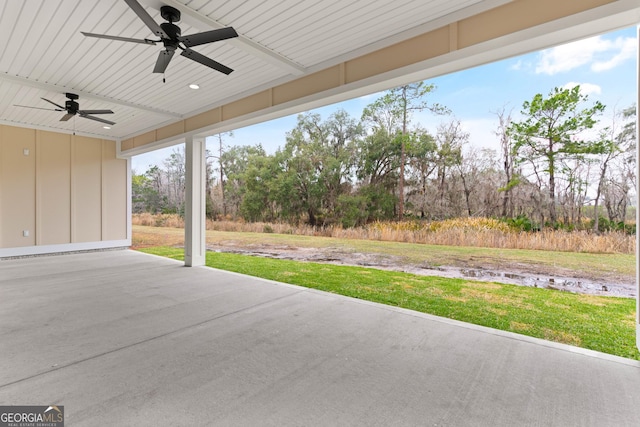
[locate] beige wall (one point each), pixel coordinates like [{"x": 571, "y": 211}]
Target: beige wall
[
  {"x": 17, "y": 196},
  {"x": 61, "y": 189},
  {"x": 85, "y": 180},
  {"x": 53, "y": 188}
]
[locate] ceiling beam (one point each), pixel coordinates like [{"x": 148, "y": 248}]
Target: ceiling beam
[
  {"x": 88, "y": 95},
  {"x": 203, "y": 22}
]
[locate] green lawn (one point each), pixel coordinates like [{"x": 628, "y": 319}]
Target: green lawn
[{"x": 605, "y": 324}]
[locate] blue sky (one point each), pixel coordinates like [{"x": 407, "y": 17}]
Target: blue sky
[{"x": 604, "y": 66}]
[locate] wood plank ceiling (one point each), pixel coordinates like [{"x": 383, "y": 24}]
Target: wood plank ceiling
[{"x": 44, "y": 54}]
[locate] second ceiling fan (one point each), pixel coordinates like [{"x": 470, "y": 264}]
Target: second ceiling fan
[{"x": 172, "y": 39}]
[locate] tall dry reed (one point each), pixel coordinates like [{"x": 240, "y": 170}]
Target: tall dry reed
[{"x": 476, "y": 232}]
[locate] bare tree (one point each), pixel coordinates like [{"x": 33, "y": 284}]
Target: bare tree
[
  {"x": 508, "y": 160},
  {"x": 175, "y": 172},
  {"x": 478, "y": 176},
  {"x": 449, "y": 141},
  {"x": 620, "y": 179},
  {"x": 221, "y": 149},
  {"x": 573, "y": 185}
]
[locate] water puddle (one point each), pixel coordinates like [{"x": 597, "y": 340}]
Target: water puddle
[{"x": 538, "y": 281}]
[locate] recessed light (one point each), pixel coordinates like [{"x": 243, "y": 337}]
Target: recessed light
[
  {"x": 106, "y": 127},
  {"x": 194, "y": 86}
]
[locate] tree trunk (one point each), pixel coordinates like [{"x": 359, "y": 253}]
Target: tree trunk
[
  {"x": 467, "y": 192},
  {"x": 603, "y": 172},
  {"x": 312, "y": 217},
  {"x": 402, "y": 156},
  {"x": 224, "y": 204},
  {"x": 552, "y": 191}
]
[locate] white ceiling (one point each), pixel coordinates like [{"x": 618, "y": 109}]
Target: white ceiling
[{"x": 44, "y": 55}]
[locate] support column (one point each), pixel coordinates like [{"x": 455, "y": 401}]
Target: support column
[
  {"x": 195, "y": 193},
  {"x": 638, "y": 191}
]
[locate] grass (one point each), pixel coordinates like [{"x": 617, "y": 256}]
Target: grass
[
  {"x": 600, "y": 266},
  {"x": 605, "y": 324},
  {"x": 475, "y": 232}
]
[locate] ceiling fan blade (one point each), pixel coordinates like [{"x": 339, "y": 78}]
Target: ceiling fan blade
[
  {"x": 66, "y": 117},
  {"x": 208, "y": 36},
  {"x": 195, "y": 56},
  {"x": 147, "y": 19},
  {"x": 97, "y": 119},
  {"x": 83, "y": 112},
  {"x": 164, "y": 57},
  {"x": 38, "y": 108},
  {"x": 122, "y": 39},
  {"x": 59, "y": 106}
]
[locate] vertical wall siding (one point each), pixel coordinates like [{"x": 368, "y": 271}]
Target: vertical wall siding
[
  {"x": 17, "y": 186},
  {"x": 53, "y": 188},
  {"x": 68, "y": 189},
  {"x": 86, "y": 181}
]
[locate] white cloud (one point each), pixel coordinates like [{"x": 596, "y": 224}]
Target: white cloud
[
  {"x": 517, "y": 66},
  {"x": 567, "y": 57},
  {"x": 626, "y": 48},
  {"x": 585, "y": 88},
  {"x": 600, "y": 53}
]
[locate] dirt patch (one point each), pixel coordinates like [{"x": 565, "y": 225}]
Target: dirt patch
[
  {"x": 540, "y": 276},
  {"x": 563, "y": 337},
  {"x": 520, "y": 327},
  {"x": 591, "y": 281}
]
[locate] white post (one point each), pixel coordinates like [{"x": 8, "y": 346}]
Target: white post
[
  {"x": 195, "y": 193},
  {"x": 638, "y": 192}
]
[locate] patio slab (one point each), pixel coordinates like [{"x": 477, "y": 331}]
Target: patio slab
[{"x": 125, "y": 338}]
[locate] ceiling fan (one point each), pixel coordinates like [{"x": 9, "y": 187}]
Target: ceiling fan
[
  {"x": 171, "y": 38},
  {"x": 72, "y": 108}
]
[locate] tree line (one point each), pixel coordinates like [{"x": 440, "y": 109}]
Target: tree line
[{"x": 555, "y": 166}]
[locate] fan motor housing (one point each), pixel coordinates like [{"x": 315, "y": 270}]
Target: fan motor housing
[
  {"x": 71, "y": 106},
  {"x": 172, "y": 30}
]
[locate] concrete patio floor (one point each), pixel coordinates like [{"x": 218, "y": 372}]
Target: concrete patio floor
[{"x": 125, "y": 339}]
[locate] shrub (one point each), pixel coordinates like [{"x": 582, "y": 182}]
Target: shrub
[{"x": 521, "y": 223}]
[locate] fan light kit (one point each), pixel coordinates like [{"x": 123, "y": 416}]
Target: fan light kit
[{"x": 172, "y": 38}]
